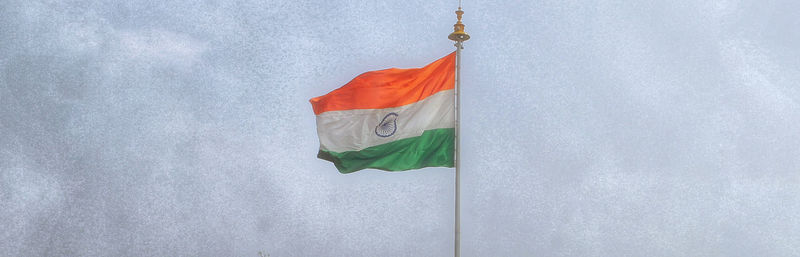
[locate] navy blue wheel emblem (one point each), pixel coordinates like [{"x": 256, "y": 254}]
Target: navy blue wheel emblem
[{"x": 388, "y": 125}]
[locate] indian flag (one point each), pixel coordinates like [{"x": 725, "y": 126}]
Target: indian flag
[{"x": 393, "y": 119}]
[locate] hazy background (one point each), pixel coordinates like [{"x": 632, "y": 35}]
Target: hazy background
[{"x": 590, "y": 128}]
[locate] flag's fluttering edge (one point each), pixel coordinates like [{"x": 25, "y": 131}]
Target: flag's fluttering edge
[{"x": 393, "y": 119}]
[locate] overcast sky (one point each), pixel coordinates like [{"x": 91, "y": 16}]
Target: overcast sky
[{"x": 590, "y": 128}]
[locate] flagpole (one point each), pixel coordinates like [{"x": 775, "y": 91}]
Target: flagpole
[
  {"x": 457, "y": 243},
  {"x": 459, "y": 36}
]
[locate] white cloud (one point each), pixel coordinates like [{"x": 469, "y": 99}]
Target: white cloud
[{"x": 159, "y": 45}]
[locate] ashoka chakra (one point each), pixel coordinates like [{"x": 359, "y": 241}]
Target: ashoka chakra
[{"x": 388, "y": 125}]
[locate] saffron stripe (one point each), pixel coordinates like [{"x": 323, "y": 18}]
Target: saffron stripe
[{"x": 389, "y": 88}]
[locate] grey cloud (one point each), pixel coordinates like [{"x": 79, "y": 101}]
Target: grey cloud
[{"x": 601, "y": 128}]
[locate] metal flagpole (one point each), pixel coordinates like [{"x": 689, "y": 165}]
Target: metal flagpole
[
  {"x": 458, "y": 156},
  {"x": 459, "y": 36}
]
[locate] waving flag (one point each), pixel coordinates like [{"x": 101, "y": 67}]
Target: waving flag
[{"x": 393, "y": 119}]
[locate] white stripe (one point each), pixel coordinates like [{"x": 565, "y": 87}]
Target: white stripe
[{"x": 352, "y": 130}]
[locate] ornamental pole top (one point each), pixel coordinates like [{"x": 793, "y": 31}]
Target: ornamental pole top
[{"x": 458, "y": 34}]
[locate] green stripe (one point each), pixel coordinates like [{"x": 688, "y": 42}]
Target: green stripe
[{"x": 434, "y": 148}]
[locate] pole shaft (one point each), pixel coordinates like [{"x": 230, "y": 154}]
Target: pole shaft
[{"x": 457, "y": 152}]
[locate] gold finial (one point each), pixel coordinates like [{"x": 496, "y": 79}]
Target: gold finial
[{"x": 458, "y": 29}]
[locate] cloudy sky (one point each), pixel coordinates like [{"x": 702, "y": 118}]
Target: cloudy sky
[{"x": 590, "y": 128}]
